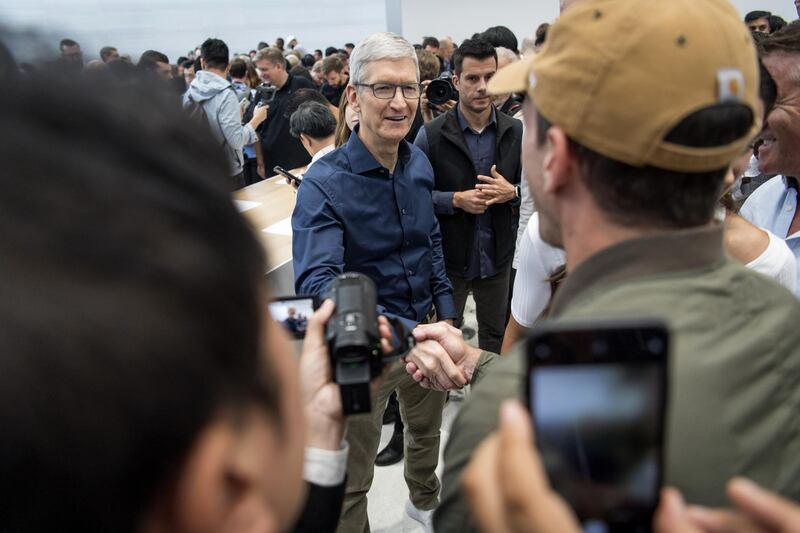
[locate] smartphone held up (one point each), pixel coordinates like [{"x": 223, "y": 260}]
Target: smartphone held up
[{"x": 597, "y": 395}]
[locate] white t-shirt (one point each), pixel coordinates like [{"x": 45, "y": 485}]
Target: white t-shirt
[
  {"x": 777, "y": 262},
  {"x": 537, "y": 262}
]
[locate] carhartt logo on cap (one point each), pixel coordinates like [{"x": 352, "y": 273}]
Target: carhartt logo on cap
[{"x": 730, "y": 85}]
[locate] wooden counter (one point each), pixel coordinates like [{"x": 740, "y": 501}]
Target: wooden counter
[{"x": 268, "y": 206}]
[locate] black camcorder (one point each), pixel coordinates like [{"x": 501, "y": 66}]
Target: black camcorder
[
  {"x": 354, "y": 341},
  {"x": 265, "y": 94},
  {"x": 441, "y": 90}
]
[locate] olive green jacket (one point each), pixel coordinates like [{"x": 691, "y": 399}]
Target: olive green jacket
[{"x": 734, "y": 371}]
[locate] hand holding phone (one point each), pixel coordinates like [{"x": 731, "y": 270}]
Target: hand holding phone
[{"x": 295, "y": 181}]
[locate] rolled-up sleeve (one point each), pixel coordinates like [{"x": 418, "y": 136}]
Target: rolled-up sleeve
[{"x": 317, "y": 241}]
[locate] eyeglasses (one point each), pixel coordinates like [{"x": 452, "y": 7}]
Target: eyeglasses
[{"x": 386, "y": 91}]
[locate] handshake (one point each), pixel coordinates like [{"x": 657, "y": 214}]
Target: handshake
[{"x": 441, "y": 359}]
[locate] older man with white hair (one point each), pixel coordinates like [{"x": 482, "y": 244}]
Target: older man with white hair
[{"x": 367, "y": 207}]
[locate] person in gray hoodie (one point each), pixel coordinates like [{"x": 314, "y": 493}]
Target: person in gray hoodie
[{"x": 213, "y": 93}]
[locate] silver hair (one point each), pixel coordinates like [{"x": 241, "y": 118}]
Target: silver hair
[
  {"x": 508, "y": 54},
  {"x": 377, "y": 47}
]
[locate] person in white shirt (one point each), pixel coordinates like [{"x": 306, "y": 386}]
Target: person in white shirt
[{"x": 773, "y": 206}]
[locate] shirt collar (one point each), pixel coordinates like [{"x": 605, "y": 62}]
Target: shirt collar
[
  {"x": 462, "y": 122},
  {"x": 362, "y": 160},
  {"x": 663, "y": 253},
  {"x": 322, "y": 152},
  {"x": 789, "y": 181}
]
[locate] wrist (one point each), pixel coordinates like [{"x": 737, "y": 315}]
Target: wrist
[
  {"x": 323, "y": 432},
  {"x": 457, "y": 200}
]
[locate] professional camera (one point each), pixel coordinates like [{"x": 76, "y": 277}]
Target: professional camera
[
  {"x": 265, "y": 94},
  {"x": 441, "y": 90},
  {"x": 354, "y": 341}
]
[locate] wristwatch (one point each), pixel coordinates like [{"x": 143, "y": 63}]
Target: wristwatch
[{"x": 517, "y": 191}]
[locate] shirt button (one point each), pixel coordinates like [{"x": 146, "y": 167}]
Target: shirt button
[
  {"x": 403, "y": 211},
  {"x": 408, "y": 243},
  {"x": 410, "y": 272},
  {"x": 789, "y": 209}
]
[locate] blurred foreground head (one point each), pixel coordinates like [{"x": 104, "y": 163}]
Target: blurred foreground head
[{"x": 142, "y": 386}]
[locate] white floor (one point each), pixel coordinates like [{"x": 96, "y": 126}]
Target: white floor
[{"x": 388, "y": 495}]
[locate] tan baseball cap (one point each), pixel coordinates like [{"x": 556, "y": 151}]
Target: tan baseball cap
[{"x": 619, "y": 75}]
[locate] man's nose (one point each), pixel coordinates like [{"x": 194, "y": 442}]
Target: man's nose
[{"x": 398, "y": 101}]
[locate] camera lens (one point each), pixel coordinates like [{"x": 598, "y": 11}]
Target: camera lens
[{"x": 439, "y": 92}]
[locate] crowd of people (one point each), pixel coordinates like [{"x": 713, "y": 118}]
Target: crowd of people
[{"x": 630, "y": 159}]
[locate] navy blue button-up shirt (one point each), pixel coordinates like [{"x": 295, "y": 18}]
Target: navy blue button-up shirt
[
  {"x": 352, "y": 214},
  {"x": 482, "y": 149}
]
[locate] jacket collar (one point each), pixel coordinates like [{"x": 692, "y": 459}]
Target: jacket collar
[{"x": 659, "y": 254}]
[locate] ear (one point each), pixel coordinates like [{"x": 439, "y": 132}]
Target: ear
[
  {"x": 456, "y": 81},
  {"x": 305, "y": 141},
  {"x": 219, "y": 487},
  {"x": 352, "y": 98},
  {"x": 559, "y": 161}
]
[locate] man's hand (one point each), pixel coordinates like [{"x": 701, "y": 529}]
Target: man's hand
[
  {"x": 442, "y": 360},
  {"x": 472, "y": 201},
  {"x": 758, "y": 511},
  {"x": 506, "y": 484},
  {"x": 261, "y": 171},
  {"x": 496, "y": 188},
  {"x": 259, "y": 116},
  {"x": 321, "y": 397}
]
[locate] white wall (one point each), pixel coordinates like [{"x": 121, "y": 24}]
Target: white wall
[
  {"x": 175, "y": 26},
  {"x": 462, "y": 18}
]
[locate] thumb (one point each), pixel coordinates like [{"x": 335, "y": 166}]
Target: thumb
[
  {"x": 315, "y": 330},
  {"x": 672, "y": 515},
  {"x": 494, "y": 172}
]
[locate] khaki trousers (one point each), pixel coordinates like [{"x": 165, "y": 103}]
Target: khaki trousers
[{"x": 421, "y": 410}]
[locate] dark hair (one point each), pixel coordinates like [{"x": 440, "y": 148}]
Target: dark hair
[
  {"x": 349, "y": 45},
  {"x": 261, "y": 45},
  {"x": 541, "y": 34},
  {"x": 215, "y": 53},
  {"x": 786, "y": 40},
  {"x": 776, "y": 23},
  {"x": 307, "y": 61},
  {"x": 130, "y": 314},
  {"x": 189, "y": 63},
  {"x": 332, "y": 64},
  {"x": 501, "y": 36},
  {"x": 238, "y": 68},
  {"x": 755, "y": 15},
  {"x": 66, "y": 42},
  {"x": 314, "y": 119},
  {"x": 331, "y": 51},
  {"x": 655, "y": 197},
  {"x": 153, "y": 56},
  {"x": 767, "y": 89},
  {"x": 181, "y": 60},
  {"x": 301, "y": 96},
  {"x": 478, "y": 48},
  {"x": 430, "y": 41},
  {"x": 106, "y": 51}
]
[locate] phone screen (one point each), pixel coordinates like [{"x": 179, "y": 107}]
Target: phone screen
[
  {"x": 598, "y": 419},
  {"x": 293, "y": 313}
]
